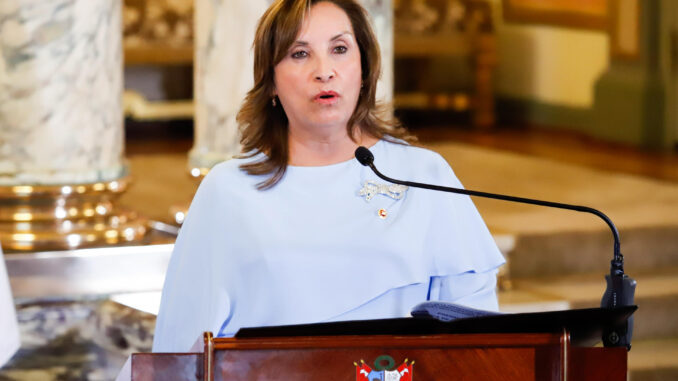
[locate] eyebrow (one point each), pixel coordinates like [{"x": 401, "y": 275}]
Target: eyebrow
[{"x": 304, "y": 43}]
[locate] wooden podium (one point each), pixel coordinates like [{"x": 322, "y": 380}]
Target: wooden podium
[{"x": 423, "y": 352}]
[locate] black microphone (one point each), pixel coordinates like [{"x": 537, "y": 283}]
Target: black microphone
[{"x": 620, "y": 287}]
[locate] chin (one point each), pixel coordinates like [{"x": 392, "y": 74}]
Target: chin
[
  {"x": 330, "y": 124},
  {"x": 331, "y": 120}
]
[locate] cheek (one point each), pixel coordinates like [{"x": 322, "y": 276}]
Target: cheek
[
  {"x": 284, "y": 82},
  {"x": 356, "y": 71},
  {"x": 356, "y": 78}
]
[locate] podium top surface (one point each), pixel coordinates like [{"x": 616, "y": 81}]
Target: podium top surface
[{"x": 586, "y": 326}]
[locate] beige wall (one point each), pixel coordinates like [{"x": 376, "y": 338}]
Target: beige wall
[{"x": 548, "y": 64}]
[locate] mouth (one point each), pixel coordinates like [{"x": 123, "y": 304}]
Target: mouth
[{"x": 326, "y": 97}]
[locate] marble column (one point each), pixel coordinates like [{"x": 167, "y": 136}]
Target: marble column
[
  {"x": 381, "y": 13},
  {"x": 61, "y": 123},
  {"x": 223, "y": 71},
  {"x": 60, "y": 92},
  {"x": 223, "y": 75}
]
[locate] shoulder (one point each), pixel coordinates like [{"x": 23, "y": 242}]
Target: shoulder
[
  {"x": 224, "y": 188},
  {"x": 397, "y": 149},
  {"x": 227, "y": 181},
  {"x": 228, "y": 169},
  {"x": 228, "y": 173},
  {"x": 417, "y": 163}
]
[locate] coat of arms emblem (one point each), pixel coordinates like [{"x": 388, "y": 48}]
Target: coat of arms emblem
[{"x": 384, "y": 370}]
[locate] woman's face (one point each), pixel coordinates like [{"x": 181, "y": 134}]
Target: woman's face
[{"x": 318, "y": 82}]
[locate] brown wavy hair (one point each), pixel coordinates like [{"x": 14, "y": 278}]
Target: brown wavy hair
[{"x": 264, "y": 128}]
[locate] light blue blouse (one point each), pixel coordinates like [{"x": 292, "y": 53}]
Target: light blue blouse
[{"x": 313, "y": 249}]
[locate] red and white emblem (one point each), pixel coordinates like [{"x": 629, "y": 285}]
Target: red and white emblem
[{"x": 403, "y": 372}]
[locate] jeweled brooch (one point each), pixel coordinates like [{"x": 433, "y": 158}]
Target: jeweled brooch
[{"x": 372, "y": 188}]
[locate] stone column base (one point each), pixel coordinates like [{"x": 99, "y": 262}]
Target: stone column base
[{"x": 56, "y": 217}]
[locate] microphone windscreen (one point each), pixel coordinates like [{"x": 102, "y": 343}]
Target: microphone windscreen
[{"x": 364, "y": 156}]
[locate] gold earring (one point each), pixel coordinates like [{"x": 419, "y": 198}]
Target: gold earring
[{"x": 273, "y": 102}]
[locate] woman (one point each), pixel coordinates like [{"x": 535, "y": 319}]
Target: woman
[{"x": 297, "y": 230}]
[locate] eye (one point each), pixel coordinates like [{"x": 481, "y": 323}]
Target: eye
[
  {"x": 341, "y": 49},
  {"x": 300, "y": 54}
]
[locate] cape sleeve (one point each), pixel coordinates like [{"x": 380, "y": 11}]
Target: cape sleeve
[
  {"x": 476, "y": 290},
  {"x": 191, "y": 296},
  {"x": 458, "y": 236}
]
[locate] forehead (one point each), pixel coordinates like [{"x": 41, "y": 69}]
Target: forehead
[{"x": 325, "y": 20}]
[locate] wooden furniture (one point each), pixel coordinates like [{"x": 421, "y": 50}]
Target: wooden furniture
[
  {"x": 469, "y": 36},
  {"x": 158, "y": 32},
  {"x": 326, "y": 351},
  {"x": 519, "y": 357}
]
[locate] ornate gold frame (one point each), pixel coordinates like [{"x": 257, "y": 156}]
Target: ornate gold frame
[{"x": 580, "y": 14}]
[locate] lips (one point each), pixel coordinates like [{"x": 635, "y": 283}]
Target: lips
[{"x": 326, "y": 97}]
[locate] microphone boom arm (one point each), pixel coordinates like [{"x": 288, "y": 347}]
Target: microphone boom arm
[{"x": 618, "y": 261}]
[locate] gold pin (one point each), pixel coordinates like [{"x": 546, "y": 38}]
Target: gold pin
[{"x": 382, "y": 213}]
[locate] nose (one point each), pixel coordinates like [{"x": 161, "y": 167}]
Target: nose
[{"x": 324, "y": 71}]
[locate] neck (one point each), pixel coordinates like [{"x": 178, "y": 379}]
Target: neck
[{"x": 307, "y": 151}]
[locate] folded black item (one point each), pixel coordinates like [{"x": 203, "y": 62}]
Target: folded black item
[{"x": 445, "y": 311}]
